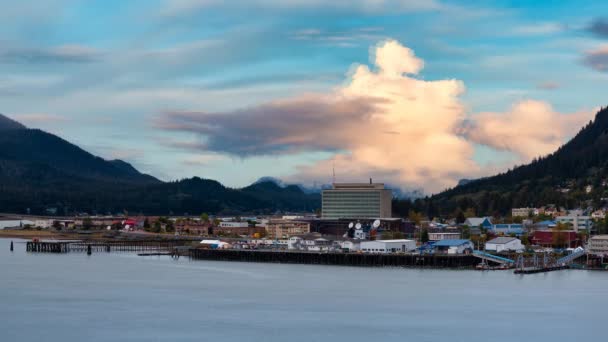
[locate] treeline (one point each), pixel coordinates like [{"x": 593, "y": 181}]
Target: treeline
[
  {"x": 187, "y": 196},
  {"x": 560, "y": 178}
]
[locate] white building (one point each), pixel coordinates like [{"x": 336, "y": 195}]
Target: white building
[
  {"x": 356, "y": 200},
  {"x": 436, "y": 236},
  {"x": 388, "y": 246},
  {"x": 15, "y": 223},
  {"x": 233, "y": 224},
  {"x": 214, "y": 244},
  {"x": 43, "y": 223},
  {"x": 576, "y": 222},
  {"x": 453, "y": 246},
  {"x": 598, "y": 215},
  {"x": 504, "y": 244},
  {"x": 598, "y": 245},
  {"x": 350, "y": 246},
  {"x": 521, "y": 212}
]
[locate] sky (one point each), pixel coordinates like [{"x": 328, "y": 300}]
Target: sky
[{"x": 415, "y": 93}]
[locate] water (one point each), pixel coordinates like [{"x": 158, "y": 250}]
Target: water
[{"x": 123, "y": 297}]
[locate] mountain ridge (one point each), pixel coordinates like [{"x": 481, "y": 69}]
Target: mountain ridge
[
  {"x": 558, "y": 178},
  {"x": 41, "y": 173}
]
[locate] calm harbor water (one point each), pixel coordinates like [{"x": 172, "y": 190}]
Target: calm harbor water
[{"x": 123, "y": 297}]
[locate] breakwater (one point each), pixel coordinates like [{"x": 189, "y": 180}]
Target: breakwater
[{"x": 343, "y": 259}]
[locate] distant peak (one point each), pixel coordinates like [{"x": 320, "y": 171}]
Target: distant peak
[{"x": 7, "y": 123}]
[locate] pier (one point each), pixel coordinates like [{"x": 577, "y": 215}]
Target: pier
[
  {"x": 103, "y": 246},
  {"x": 546, "y": 263},
  {"x": 343, "y": 259}
]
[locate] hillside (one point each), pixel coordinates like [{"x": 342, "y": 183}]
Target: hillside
[
  {"x": 41, "y": 173},
  {"x": 559, "y": 178}
]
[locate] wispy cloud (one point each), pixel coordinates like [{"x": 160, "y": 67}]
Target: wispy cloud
[
  {"x": 59, "y": 54},
  {"x": 174, "y": 8},
  {"x": 341, "y": 38},
  {"x": 539, "y": 29},
  {"x": 548, "y": 85},
  {"x": 39, "y": 118},
  {"x": 597, "y": 59},
  {"x": 599, "y": 27}
]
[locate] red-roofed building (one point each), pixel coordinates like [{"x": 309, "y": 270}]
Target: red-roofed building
[{"x": 546, "y": 238}]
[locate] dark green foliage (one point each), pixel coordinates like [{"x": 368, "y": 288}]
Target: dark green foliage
[
  {"x": 424, "y": 236},
  {"x": 583, "y": 160},
  {"x": 39, "y": 170}
]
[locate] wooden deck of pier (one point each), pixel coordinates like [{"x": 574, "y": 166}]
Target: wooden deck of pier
[
  {"x": 344, "y": 259},
  {"x": 104, "y": 246}
]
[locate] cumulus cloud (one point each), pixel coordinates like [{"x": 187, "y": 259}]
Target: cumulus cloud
[
  {"x": 384, "y": 122},
  {"x": 530, "y": 129},
  {"x": 597, "y": 59}
]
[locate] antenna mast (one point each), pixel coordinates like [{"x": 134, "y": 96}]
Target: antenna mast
[{"x": 333, "y": 167}]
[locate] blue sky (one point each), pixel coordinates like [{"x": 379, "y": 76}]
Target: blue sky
[{"x": 117, "y": 78}]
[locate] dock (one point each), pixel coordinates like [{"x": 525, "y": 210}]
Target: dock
[
  {"x": 104, "y": 246},
  {"x": 338, "y": 259}
]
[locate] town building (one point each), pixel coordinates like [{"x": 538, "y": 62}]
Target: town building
[
  {"x": 598, "y": 215},
  {"x": 388, "y": 246},
  {"x": 544, "y": 225},
  {"x": 598, "y": 245},
  {"x": 15, "y": 223},
  {"x": 350, "y": 245},
  {"x": 310, "y": 242},
  {"x": 437, "y": 236},
  {"x": 551, "y": 238},
  {"x": 504, "y": 244},
  {"x": 356, "y": 200},
  {"x": 214, "y": 244},
  {"x": 338, "y": 227},
  {"x": 233, "y": 224},
  {"x": 577, "y": 222},
  {"x": 476, "y": 222},
  {"x": 282, "y": 229},
  {"x": 521, "y": 212},
  {"x": 507, "y": 229},
  {"x": 457, "y": 246}
]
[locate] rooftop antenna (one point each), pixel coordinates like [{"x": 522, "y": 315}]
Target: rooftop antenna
[{"x": 333, "y": 167}]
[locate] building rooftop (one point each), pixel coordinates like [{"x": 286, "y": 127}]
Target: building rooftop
[
  {"x": 357, "y": 186},
  {"x": 476, "y": 221},
  {"x": 451, "y": 243},
  {"x": 396, "y": 240},
  {"x": 501, "y": 240}
]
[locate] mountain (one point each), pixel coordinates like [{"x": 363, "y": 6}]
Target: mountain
[
  {"x": 23, "y": 149},
  {"x": 7, "y": 123},
  {"x": 41, "y": 173},
  {"x": 560, "y": 178}
]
